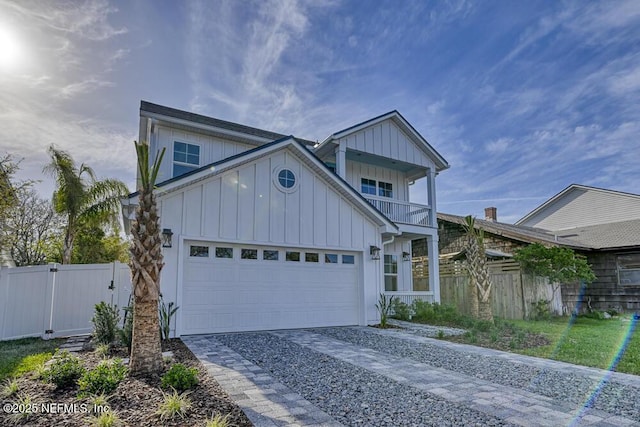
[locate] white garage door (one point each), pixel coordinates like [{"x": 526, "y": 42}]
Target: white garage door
[{"x": 228, "y": 288}]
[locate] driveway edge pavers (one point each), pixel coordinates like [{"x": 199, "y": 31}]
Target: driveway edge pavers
[{"x": 265, "y": 401}]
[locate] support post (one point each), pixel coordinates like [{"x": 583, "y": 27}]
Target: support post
[
  {"x": 434, "y": 267},
  {"x": 431, "y": 197}
]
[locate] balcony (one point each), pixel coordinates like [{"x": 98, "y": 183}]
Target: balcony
[{"x": 401, "y": 212}]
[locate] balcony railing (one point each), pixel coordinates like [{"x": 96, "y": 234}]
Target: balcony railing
[{"x": 402, "y": 212}]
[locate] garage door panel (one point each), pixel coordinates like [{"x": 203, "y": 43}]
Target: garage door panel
[{"x": 225, "y": 295}]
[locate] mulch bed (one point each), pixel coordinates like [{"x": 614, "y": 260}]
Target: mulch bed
[
  {"x": 136, "y": 400},
  {"x": 506, "y": 341}
]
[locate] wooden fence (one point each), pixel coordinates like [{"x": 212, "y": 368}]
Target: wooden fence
[{"x": 513, "y": 293}]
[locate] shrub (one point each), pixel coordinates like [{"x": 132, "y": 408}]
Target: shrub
[
  {"x": 218, "y": 421},
  {"x": 173, "y": 405},
  {"x": 427, "y": 312},
  {"x": 401, "y": 310},
  {"x": 126, "y": 333},
  {"x": 104, "y": 378},
  {"x": 102, "y": 350},
  {"x": 166, "y": 312},
  {"x": 106, "y": 419},
  {"x": 105, "y": 322},
  {"x": 64, "y": 371},
  {"x": 180, "y": 378},
  {"x": 541, "y": 310},
  {"x": 10, "y": 387},
  {"x": 384, "y": 308}
]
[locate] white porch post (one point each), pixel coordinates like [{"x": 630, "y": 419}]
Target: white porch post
[
  {"x": 341, "y": 160},
  {"x": 434, "y": 267},
  {"x": 431, "y": 198}
]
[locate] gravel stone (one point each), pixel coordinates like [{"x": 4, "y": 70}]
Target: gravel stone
[
  {"x": 610, "y": 396},
  {"x": 350, "y": 394}
]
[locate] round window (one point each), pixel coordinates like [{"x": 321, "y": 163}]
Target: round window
[{"x": 286, "y": 178}]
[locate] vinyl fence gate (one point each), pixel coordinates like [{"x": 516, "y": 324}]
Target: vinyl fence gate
[{"x": 55, "y": 300}]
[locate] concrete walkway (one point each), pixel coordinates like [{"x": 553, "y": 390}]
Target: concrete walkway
[{"x": 269, "y": 403}]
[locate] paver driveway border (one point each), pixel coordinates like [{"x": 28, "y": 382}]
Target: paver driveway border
[{"x": 270, "y": 403}]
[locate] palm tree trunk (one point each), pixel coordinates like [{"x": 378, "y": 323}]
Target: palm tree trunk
[
  {"x": 145, "y": 344},
  {"x": 485, "y": 311},
  {"x": 67, "y": 247},
  {"x": 474, "y": 310}
]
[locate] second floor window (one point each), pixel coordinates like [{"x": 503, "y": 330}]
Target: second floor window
[
  {"x": 368, "y": 186},
  {"x": 186, "y": 157},
  {"x": 385, "y": 189}
]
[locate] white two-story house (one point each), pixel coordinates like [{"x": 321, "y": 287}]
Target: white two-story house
[{"x": 269, "y": 231}]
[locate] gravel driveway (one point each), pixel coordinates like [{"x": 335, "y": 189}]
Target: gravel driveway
[{"x": 369, "y": 377}]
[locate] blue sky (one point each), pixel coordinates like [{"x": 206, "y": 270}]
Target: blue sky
[{"x": 522, "y": 98}]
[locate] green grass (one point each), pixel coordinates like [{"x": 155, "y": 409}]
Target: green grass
[
  {"x": 586, "y": 341},
  {"x": 18, "y": 357}
]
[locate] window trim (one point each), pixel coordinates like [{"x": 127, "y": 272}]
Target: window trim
[
  {"x": 375, "y": 186},
  {"x": 390, "y": 274},
  {"x": 184, "y": 164},
  {"x": 276, "y": 179}
]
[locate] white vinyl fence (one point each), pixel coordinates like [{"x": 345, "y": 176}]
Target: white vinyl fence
[{"x": 56, "y": 300}]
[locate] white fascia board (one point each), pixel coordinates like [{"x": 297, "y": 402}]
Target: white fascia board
[{"x": 198, "y": 126}]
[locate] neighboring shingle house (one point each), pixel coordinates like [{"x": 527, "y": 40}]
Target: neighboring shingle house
[
  {"x": 271, "y": 231},
  {"x": 608, "y": 234},
  {"x": 606, "y": 222}
]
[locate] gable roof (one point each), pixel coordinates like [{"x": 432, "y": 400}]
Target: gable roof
[
  {"x": 517, "y": 232},
  {"x": 297, "y": 148},
  {"x": 148, "y": 109},
  {"x": 403, "y": 124},
  {"x": 566, "y": 196}
]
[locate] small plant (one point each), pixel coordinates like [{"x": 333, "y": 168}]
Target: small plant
[
  {"x": 218, "y": 421},
  {"x": 10, "y": 387},
  {"x": 384, "y": 308},
  {"x": 173, "y": 405},
  {"x": 102, "y": 350},
  {"x": 401, "y": 310},
  {"x": 494, "y": 335},
  {"x": 105, "y": 322},
  {"x": 166, "y": 312},
  {"x": 126, "y": 333},
  {"x": 541, "y": 309},
  {"x": 98, "y": 401},
  {"x": 106, "y": 419},
  {"x": 64, "y": 371},
  {"x": 26, "y": 402},
  {"x": 180, "y": 378},
  {"x": 104, "y": 378},
  {"x": 440, "y": 334}
]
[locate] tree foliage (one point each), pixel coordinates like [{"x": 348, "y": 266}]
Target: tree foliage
[
  {"x": 33, "y": 225},
  {"x": 559, "y": 265},
  {"x": 81, "y": 197}
]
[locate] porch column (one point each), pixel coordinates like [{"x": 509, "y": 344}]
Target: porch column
[
  {"x": 341, "y": 160},
  {"x": 434, "y": 267},
  {"x": 431, "y": 198}
]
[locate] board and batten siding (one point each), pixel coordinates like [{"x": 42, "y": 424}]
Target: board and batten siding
[
  {"x": 386, "y": 139},
  {"x": 357, "y": 170},
  {"x": 245, "y": 205},
  {"x": 212, "y": 149},
  {"x": 583, "y": 207},
  {"x": 405, "y": 277}
]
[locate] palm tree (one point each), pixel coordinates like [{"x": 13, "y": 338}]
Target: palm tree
[
  {"x": 80, "y": 199},
  {"x": 146, "y": 264},
  {"x": 478, "y": 272}
]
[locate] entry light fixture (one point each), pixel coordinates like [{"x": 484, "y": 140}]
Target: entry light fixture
[
  {"x": 166, "y": 237},
  {"x": 406, "y": 256},
  {"x": 374, "y": 251}
]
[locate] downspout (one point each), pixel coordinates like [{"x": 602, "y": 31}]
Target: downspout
[{"x": 393, "y": 237}]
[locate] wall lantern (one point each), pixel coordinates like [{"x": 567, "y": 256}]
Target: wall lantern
[
  {"x": 166, "y": 237},
  {"x": 374, "y": 251},
  {"x": 406, "y": 256}
]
